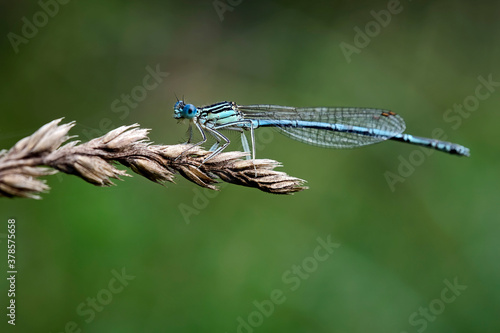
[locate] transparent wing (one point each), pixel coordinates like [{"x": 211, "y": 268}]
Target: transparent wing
[{"x": 386, "y": 122}]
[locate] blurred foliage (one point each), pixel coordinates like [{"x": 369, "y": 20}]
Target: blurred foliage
[{"x": 397, "y": 246}]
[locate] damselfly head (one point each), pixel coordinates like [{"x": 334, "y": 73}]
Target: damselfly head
[{"x": 184, "y": 111}]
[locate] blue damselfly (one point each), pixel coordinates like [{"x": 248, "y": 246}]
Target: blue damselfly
[{"x": 330, "y": 127}]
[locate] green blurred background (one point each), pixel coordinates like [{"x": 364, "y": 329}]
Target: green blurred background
[{"x": 203, "y": 273}]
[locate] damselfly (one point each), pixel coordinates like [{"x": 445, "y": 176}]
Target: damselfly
[{"x": 334, "y": 127}]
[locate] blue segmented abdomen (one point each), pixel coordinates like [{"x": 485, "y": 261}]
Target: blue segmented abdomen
[
  {"x": 444, "y": 146},
  {"x": 349, "y": 136}
]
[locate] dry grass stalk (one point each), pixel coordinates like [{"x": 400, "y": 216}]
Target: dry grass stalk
[{"x": 93, "y": 161}]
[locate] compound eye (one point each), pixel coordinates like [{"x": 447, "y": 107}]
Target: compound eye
[{"x": 189, "y": 111}]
